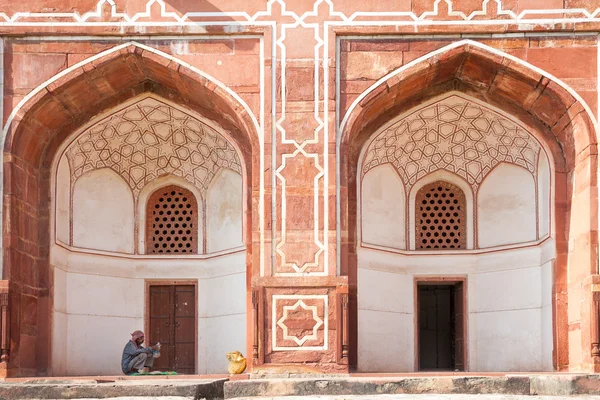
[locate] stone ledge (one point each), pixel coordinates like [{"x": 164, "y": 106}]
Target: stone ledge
[
  {"x": 505, "y": 384},
  {"x": 565, "y": 385},
  {"x": 223, "y": 388},
  {"x": 367, "y": 386},
  {"x": 207, "y": 389}
]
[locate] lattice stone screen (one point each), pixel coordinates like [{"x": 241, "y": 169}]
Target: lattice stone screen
[
  {"x": 440, "y": 217},
  {"x": 172, "y": 221}
]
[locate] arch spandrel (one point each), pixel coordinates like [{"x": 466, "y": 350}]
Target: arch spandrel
[{"x": 57, "y": 107}]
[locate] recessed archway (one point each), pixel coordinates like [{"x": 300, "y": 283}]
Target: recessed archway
[
  {"x": 539, "y": 101},
  {"x": 35, "y": 134}
]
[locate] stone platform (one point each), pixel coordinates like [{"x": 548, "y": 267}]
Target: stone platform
[{"x": 244, "y": 386}]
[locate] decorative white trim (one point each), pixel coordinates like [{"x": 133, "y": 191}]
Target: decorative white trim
[
  {"x": 283, "y": 326},
  {"x": 79, "y": 250},
  {"x": 457, "y": 253},
  {"x": 324, "y": 322},
  {"x": 365, "y": 18}
]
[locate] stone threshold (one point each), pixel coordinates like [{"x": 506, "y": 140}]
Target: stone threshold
[{"x": 243, "y": 386}]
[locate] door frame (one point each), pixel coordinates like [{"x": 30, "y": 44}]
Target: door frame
[
  {"x": 440, "y": 280},
  {"x": 171, "y": 282}
]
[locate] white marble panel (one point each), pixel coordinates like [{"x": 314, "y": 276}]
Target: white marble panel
[
  {"x": 547, "y": 339},
  {"x": 95, "y": 343},
  {"x": 506, "y": 209},
  {"x": 60, "y": 290},
  {"x": 103, "y": 216},
  {"x": 384, "y": 291},
  {"x": 505, "y": 290},
  {"x": 59, "y": 343},
  {"x": 63, "y": 202},
  {"x": 217, "y": 337},
  {"x": 224, "y": 211},
  {"x": 385, "y": 341},
  {"x": 383, "y": 202},
  {"x": 506, "y": 341},
  {"x": 156, "y": 268},
  {"x": 102, "y": 295},
  {"x": 547, "y": 279},
  {"x": 544, "y": 195},
  {"x": 453, "y": 264},
  {"x": 223, "y": 295}
]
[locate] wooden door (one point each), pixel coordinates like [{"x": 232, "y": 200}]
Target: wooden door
[
  {"x": 459, "y": 327},
  {"x": 173, "y": 324},
  {"x": 435, "y": 327}
]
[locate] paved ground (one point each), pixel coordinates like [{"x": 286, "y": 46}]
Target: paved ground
[{"x": 386, "y": 397}]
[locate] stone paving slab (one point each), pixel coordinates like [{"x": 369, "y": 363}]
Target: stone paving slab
[
  {"x": 555, "y": 385},
  {"x": 369, "y": 386},
  {"x": 332, "y": 388},
  {"x": 387, "y": 397},
  {"x": 196, "y": 389},
  {"x": 430, "y": 397}
]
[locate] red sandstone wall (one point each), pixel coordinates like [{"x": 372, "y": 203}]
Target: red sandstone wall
[{"x": 236, "y": 62}]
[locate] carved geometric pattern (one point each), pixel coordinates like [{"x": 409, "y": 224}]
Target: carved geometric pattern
[
  {"x": 298, "y": 319},
  {"x": 148, "y": 139},
  {"x": 440, "y": 217},
  {"x": 300, "y": 340},
  {"x": 172, "y": 221},
  {"x": 453, "y": 134}
]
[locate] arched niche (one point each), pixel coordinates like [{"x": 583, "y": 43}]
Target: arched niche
[
  {"x": 224, "y": 212},
  {"x": 453, "y": 179},
  {"x": 152, "y": 187},
  {"x": 506, "y": 207},
  {"x": 383, "y": 202},
  {"x": 561, "y": 119},
  {"x": 103, "y": 212}
]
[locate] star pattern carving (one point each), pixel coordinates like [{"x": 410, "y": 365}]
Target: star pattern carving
[
  {"x": 454, "y": 134},
  {"x": 148, "y": 139},
  {"x": 318, "y": 322}
]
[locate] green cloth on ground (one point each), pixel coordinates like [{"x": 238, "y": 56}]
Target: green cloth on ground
[{"x": 155, "y": 373}]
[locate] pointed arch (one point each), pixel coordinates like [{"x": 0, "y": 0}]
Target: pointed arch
[
  {"x": 555, "y": 112},
  {"x": 45, "y": 118},
  {"x": 131, "y": 67}
]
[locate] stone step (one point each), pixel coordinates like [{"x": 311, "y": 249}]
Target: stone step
[
  {"x": 195, "y": 388},
  {"x": 553, "y": 385},
  {"x": 94, "y": 389},
  {"x": 391, "y": 397}
]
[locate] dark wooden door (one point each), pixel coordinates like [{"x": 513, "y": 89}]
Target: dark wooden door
[
  {"x": 173, "y": 324},
  {"x": 459, "y": 327},
  {"x": 435, "y": 327}
]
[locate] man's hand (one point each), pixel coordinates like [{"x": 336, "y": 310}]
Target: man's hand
[{"x": 155, "y": 347}]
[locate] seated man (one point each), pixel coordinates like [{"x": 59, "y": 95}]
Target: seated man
[{"x": 135, "y": 357}]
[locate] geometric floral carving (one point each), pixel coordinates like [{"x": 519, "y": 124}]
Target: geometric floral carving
[
  {"x": 148, "y": 139},
  {"x": 453, "y": 134},
  {"x": 299, "y": 322},
  {"x": 317, "y": 323}
]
